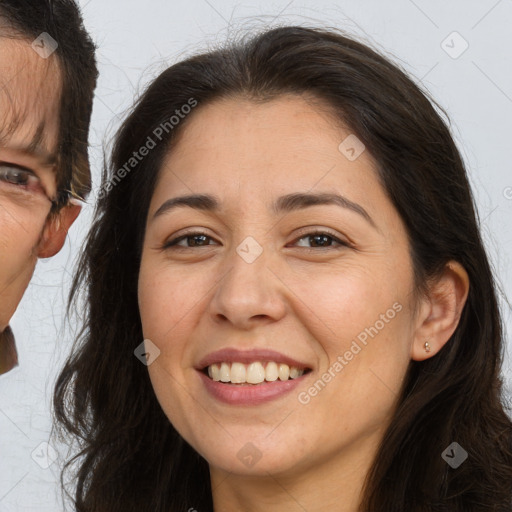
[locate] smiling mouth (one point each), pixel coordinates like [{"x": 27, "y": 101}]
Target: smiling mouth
[{"x": 255, "y": 373}]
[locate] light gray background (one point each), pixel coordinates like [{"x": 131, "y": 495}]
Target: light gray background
[{"x": 136, "y": 39}]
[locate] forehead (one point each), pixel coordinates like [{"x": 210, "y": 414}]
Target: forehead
[
  {"x": 264, "y": 142},
  {"x": 244, "y": 149},
  {"x": 30, "y": 89}
]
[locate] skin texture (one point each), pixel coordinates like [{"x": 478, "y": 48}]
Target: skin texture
[
  {"x": 30, "y": 89},
  {"x": 298, "y": 297}
]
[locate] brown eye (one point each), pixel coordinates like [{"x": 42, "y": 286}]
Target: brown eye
[
  {"x": 191, "y": 240},
  {"x": 321, "y": 240},
  {"x": 17, "y": 176}
]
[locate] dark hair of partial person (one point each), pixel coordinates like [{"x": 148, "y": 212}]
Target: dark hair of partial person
[
  {"x": 129, "y": 457},
  {"x": 62, "y": 20}
]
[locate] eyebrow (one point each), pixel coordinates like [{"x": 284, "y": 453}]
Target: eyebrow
[
  {"x": 284, "y": 204},
  {"x": 34, "y": 148}
]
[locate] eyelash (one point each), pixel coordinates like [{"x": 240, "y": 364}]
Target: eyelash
[
  {"x": 172, "y": 244},
  {"x": 11, "y": 166}
]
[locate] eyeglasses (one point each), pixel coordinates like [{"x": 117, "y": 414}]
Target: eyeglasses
[{"x": 19, "y": 185}]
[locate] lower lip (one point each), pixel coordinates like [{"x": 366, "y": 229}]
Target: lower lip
[{"x": 250, "y": 394}]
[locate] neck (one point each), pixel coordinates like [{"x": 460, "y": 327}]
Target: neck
[
  {"x": 334, "y": 483},
  {"x": 8, "y": 354}
]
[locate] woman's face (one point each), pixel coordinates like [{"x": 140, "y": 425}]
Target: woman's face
[{"x": 240, "y": 279}]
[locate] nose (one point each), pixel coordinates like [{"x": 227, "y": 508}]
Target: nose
[{"x": 249, "y": 293}]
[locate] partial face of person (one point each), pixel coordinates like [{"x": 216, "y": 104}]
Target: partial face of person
[
  {"x": 30, "y": 89},
  {"x": 279, "y": 308}
]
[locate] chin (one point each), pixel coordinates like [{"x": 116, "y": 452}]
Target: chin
[
  {"x": 247, "y": 455},
  {"x": 251, "y": 461}
]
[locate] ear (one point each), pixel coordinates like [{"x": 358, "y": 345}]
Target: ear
[
  {"x": 440, "y": 312},
  {"x": 56, "y": 230}
]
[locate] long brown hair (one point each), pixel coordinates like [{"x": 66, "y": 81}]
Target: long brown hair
[{"x": 129, "y": 457}]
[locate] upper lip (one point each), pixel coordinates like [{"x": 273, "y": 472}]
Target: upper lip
[{"x": 233, "y": 355}]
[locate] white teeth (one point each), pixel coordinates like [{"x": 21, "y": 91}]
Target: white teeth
[
  {"x": 284, "y": 372},
  {"x": 253, "y": 373},
  {"x": 271, "y": 372},
  {"x": 238, "y": 373},
  {"x": 225, "y": 374},
  {"x": 294, "y": 373},
  {"x": 214, "y": 372}
]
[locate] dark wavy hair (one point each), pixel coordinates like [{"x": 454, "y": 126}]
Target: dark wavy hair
[
  {"x": 129, "y": 457},
  {"x": 62, "y": 20}
]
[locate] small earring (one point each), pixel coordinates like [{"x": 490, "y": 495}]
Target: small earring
[{"x": 427, "y": 346}]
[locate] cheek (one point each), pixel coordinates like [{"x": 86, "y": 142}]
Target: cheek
[
  {"x": 362, "y": 324},
  {"x": 19, "y": 236},
  {"x": 166, "y": 305},
  {"x": 344, "y": 302},
  {"x": 167, "y": 301},
  {"x": 18, "y": 242}
]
